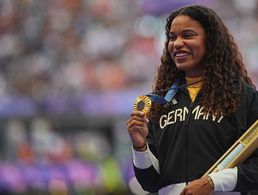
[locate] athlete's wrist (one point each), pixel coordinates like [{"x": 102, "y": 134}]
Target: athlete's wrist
[
  {"x": 210, "y": 181},
  {"x": 140, "y": 148}
]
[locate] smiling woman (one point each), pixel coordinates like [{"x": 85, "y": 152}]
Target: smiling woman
[
  {"x": 187, "y": 45},
  {"x": 216, "y": 102}
]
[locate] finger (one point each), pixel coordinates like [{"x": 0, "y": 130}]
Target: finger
[
  {"x": 142, "y": 129},
  {"x": 136, "y": 122},
  {"x": 138, "y": 130},
  {"x": 137, "y": 113},
  {"x": 138, "y": 118},
  {"x": 135, "y": 118},
  {"x": 135, "y": 129}
]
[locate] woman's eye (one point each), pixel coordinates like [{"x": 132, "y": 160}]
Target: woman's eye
[
  {"x": 187, "y": 36},
  {"x": 172, "y": 38}
]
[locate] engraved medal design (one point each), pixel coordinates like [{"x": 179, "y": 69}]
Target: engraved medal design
[{"x": 142, "y": 103}]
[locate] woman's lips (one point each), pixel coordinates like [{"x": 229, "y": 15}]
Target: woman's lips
[{"x": 181, "y": 56}]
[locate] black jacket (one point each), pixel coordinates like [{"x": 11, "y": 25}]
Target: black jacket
[{"x": 187, "y": 142}]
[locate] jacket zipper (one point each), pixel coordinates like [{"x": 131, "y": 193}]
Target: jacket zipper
[
  {"x": 190, "y": 113},
  {"x": 186, "y": 142}
]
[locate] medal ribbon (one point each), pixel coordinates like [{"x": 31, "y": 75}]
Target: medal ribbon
[{"x": 170, "y": 94}]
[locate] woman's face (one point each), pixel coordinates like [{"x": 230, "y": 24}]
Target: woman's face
[{"x": 187, "y": 45}]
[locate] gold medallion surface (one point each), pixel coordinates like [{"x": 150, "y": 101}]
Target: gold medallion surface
[{"x": 142, "y": 103}]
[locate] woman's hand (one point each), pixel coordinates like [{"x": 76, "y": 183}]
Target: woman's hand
[
  {"x": 198, "y": 187},
  {"x": 137, "y": 129}
]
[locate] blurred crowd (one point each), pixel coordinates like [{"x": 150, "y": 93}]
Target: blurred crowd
[
  {"x": 88, "y": 57},
  {"x": 67, "y": 47}
]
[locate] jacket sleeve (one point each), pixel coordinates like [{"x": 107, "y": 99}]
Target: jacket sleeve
[
  {"x": 148, "y": 176},
  {"x": 247, "y": 177}
]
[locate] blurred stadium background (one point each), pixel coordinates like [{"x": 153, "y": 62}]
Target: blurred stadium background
[{"x": 70, "y": 71}]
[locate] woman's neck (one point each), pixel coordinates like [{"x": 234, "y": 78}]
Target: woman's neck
[{"x": 193, "y": 80}]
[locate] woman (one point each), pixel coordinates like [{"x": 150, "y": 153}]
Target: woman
[{"x": 214, "y": 105}]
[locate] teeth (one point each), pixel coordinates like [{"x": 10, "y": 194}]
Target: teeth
[{"x": 180, "y": 54}]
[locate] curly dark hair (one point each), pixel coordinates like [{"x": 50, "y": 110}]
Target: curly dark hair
[{"x": 222, "y": 73}]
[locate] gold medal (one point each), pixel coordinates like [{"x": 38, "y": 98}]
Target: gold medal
[{"x": 142, "y": 103}]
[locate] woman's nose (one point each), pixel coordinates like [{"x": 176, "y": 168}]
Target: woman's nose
[{"x": 178, "y": 43}]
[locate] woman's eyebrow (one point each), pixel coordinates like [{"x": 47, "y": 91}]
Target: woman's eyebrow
[{"x": 183, "y": 31}]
